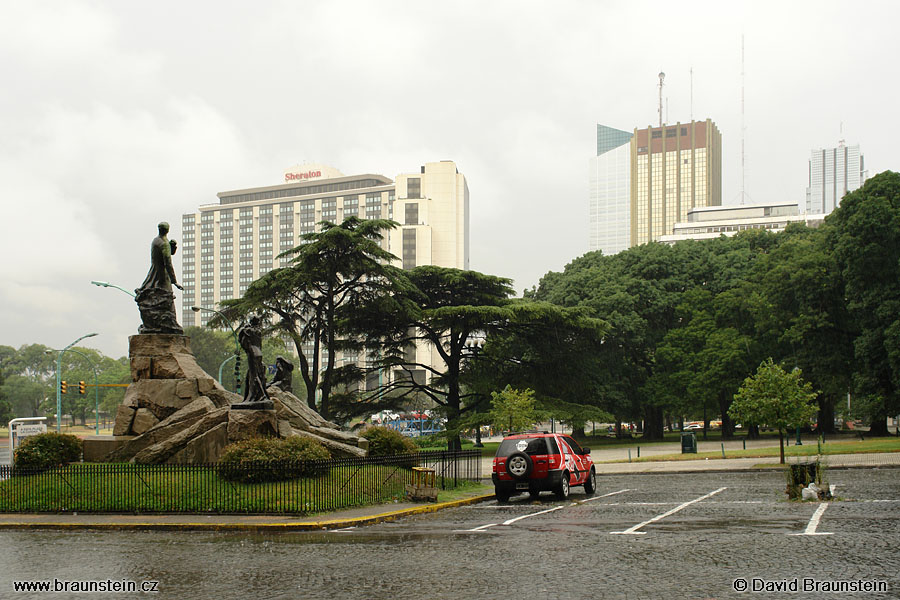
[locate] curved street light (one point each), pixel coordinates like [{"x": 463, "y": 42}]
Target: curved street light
[
  {"x": 237, "y": 348},
  {"x": 58, "y": 392},
  {"x": 112, "y": 285}
]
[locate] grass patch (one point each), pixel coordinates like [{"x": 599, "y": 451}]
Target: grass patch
[
  {"x": 889, "y": 444},
  {"x": 144, "y": 489}
]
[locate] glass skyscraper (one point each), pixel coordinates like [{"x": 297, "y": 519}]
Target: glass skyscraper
[
  {"x": 832, "y": 173},
  {"x": 610, "y": 192}
]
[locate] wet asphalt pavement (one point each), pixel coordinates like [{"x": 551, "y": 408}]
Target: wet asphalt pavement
[{"x": 640, "y": 536}]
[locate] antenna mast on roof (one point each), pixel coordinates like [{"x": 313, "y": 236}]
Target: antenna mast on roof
[
  {"x": 692, "y": 94},
  {"x": 662, "y": 77}
]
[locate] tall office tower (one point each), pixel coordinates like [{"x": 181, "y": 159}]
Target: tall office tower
[
  {"x": 674, "y": 168},
  {"x": 610, "y": 192},
  {"x": 832, "y": 173},
  {"x": 432, "y": 207}
]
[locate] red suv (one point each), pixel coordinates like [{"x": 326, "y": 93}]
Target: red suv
[{"x": 535, "y": 462}]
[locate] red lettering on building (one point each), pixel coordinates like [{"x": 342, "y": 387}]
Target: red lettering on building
[{"x": 299, "y": 176}]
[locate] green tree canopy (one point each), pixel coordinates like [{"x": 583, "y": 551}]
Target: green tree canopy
[
  {"x": 336, "y": 275},
  {"x": 864, "y": 233},
  {"x": 775, "y": 398}
]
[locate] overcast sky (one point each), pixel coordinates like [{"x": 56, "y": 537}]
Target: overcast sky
[{"x": 115, "y": 115}]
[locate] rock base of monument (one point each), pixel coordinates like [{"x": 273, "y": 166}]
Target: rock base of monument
[
  {"x": 175, "y": 412},
  {"x": 259, "y": 405}
]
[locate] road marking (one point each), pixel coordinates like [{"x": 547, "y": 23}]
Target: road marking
[
  {"x": 604, "y": 496},
  {"x": 634, "y": 530},
  {"x": 814, "y": 520},
  {"x": 542, "y": 512}
]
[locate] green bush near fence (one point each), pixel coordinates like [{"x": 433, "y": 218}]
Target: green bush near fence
[
  {"x": 273, "y": 459},
  {"x": 47, "y": 450},
  {"x": 384, "y": 441}
]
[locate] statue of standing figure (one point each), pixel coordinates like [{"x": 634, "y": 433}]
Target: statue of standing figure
[
  {"x": 255, "y": 395},
  {"x": 154, "y": 298}
]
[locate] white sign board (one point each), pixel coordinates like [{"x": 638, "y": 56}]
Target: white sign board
[{"x": 24, "y": 430}]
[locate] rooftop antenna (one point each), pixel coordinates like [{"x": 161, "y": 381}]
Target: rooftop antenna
[
  {"x": 662, "y": 77},
  {"x": 692, "y": 94},
  {"x": 842, "y": 141}
]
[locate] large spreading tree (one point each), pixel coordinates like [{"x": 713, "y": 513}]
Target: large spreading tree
[
  {"x": 865, "y": 238},
  {"x": 334, "y": 277}
]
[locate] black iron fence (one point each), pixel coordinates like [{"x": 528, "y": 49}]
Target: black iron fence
[{"x": 327, "y": 485}]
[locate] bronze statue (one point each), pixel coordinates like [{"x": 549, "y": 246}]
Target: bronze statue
[
  {"x": 154, "y": 298},
  {"x": 255, "y": 395},
  {"x": 283, "y": 374}
]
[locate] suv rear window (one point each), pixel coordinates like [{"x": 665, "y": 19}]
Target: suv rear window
[{"x": 533, "y": 446}]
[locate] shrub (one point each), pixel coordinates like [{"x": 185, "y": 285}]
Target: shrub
[
  {"x": 384, "y": 441},
  {"x": 47, "y": 450},
  {"x": 272, "y": 459}
]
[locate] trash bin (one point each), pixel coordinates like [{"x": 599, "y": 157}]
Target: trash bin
[{"x": 688, "y": 443}]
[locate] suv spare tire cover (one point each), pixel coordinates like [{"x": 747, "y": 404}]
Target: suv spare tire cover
[{"x": 515, "y": 461}]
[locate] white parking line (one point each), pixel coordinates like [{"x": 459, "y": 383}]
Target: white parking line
[
  {"x": 542, "y": 512},
  {"x": 814, "y": 520},
  {"x": 604, "y": 496},
  {"x": 634, "y": 530}
]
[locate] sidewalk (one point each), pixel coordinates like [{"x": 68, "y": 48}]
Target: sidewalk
[{"x": 369, "y": 515}]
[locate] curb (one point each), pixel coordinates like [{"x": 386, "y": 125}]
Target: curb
[{"x": 328, "y": 524}]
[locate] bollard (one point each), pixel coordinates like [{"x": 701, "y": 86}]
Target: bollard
[
  {"x": 629, "y": 455},
  {"x": 639, "y": 451},
  {"x": 745, "y": 443},
  {"x": 723, "y": 449}
]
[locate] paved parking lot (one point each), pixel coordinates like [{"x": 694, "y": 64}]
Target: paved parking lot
[{"x": 698, "y": 535}]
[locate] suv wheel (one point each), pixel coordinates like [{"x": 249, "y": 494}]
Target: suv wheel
[
  {"x": 562, "y": 491},
  {"x": 502, "y": 495},
  {"x": 518, "y": 465},
  {"x": 590, "y": 484}
]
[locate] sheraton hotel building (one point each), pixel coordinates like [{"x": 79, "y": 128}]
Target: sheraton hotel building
[{"x": 227, "y": 245}]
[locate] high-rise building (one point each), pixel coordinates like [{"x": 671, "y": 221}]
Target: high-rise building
[
  {"x": 832, "y": 173},
  {"x": 674, "y": 168},
  {"x": 228, "y": 245},
  {"x": 610, "y": 192}
]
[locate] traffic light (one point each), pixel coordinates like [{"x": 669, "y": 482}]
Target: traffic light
[
  {"x": 63, "y": 387},
  {"x": 81, "y": 388}
]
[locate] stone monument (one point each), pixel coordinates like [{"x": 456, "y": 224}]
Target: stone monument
[{"x": 175, "y": 412}]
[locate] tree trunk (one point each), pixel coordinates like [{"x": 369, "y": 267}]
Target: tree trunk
[
  {"x": 825, "y": 420},
  {"x": 653, "y": 423},
  {"x": 878, "y": 427},
  {"x": 781, "y": 444},
  {"x": 578, "y": 431},
  {"x": 727, "y": 423},
  {"x": 753, "y": 432}
]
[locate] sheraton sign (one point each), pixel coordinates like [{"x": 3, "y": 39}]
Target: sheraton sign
[{"x": 302, "y": 175}]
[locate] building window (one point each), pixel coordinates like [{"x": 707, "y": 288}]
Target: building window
[
  {"x": 412, "y": 213},
  {"x": 409, "y": 249},
  {"x": 656, "y": 134},
  {"x": 414, "y": 187}
]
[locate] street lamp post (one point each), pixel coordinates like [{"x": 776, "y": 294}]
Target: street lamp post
[
  {"x": 58, "y": 392},
  {"x": 107, "y": 284},
  {"x": 237, "y": 349}
]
